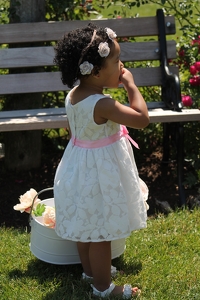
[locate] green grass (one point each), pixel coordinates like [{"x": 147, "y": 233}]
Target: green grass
[
  {"x": 163, "y": 260},
  {"x": 117, "y": 9}
]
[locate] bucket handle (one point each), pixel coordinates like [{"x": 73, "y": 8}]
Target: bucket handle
[{"x": 42, "y": 191}]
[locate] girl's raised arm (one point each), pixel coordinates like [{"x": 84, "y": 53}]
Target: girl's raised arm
[{"x": 135, "y": 116}]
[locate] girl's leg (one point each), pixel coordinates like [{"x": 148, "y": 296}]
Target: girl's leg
[
  {"x": 96, "y": 262},
  {"x": 83, "y": 250},
  {"x": 100, "y": 262}
]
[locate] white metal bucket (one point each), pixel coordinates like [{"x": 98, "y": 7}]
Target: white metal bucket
[{"x": 47, "y": 246}]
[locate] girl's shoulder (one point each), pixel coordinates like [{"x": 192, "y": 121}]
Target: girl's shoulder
[{"x": 90, "y": 99}]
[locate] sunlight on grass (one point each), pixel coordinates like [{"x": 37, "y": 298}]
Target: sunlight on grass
[
  {"x": 169, "y": 250},
  {"x": 163, "y": 260}
]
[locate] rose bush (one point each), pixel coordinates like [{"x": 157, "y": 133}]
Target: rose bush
[{"x": 188, "y": 61}]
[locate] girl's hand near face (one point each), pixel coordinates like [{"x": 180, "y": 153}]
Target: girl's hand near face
[{"x": 126, "y": 78}]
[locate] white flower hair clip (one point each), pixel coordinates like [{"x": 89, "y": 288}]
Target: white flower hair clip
[
  {"x": 86, "y": 68},
  {"x": 103, "y": 49},
  {"x": 111, "y": 34}
]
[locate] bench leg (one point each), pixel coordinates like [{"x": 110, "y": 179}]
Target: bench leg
[
  {"x": 180, "y": 161},
  {"x": 174, "y": 132},
  {"x": 166, "y": 142}
]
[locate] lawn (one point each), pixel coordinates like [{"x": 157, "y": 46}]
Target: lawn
[
  {"x": 163, "y": 260},
  {"x": 122, "y": 10}
]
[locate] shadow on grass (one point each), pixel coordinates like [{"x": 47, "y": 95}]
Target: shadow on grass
[
  {"x": 64, "y": 282},
  {"x": 44, "y": 272}
]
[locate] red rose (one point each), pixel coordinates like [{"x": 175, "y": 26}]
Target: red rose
[
  {"x": 197, "y": 65},
  {"x": 193, "y": 70},
  {"x": 187, "y": 100},
  {"x": 195, "y": 81}
]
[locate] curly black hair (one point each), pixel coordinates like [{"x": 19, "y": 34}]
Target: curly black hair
[{"x": 69, "y": 51}]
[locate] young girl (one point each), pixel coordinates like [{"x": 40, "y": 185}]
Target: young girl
[{"x": 97, "y": 191}]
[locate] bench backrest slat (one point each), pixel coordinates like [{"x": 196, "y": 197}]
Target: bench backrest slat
[
  {"x": 43, "y": 56},
  {"x": 44, "y": 31},
  {"x": 51, "y": 81}
]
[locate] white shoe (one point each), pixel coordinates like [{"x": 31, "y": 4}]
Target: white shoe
[
  {"x": 127, "y": 292},
  {"x": 113, "y": 274}
]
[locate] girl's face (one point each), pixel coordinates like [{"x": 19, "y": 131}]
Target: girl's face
[{"x": 111, "y": 71}]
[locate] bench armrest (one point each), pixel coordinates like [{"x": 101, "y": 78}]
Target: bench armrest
[{"x": 171, "y": 91}]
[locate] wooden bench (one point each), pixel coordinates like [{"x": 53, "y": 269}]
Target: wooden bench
[{"x": 167, "y": 110}]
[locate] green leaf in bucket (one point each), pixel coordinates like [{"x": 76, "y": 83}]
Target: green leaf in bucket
[{"x": 40, "y": 208}]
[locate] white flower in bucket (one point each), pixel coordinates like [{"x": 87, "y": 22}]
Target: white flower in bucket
[{"x": 26, "y": 201}]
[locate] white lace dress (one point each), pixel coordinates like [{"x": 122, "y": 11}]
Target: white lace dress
[{"x": 97, "y": 191}]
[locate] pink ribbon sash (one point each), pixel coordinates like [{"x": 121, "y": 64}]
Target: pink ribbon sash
[{"x": 105, "y": 141}]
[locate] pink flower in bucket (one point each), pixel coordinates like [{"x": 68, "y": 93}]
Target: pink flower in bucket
[
  {"x": 145, "y": 192},
  {"x": 49, "y": 217},
  {"x": 26, "y": 201}
]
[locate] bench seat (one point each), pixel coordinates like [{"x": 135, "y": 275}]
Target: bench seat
[{"x": 34, "y": 119}]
